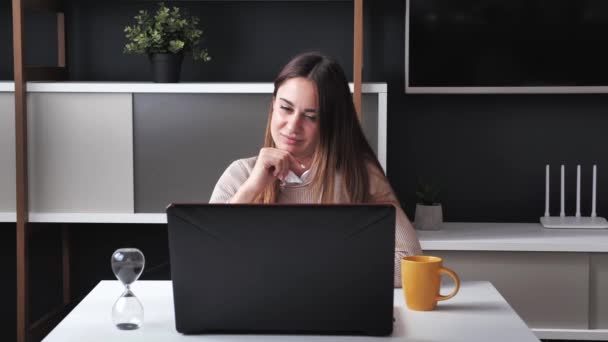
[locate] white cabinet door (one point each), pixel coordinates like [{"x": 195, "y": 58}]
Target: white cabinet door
[{"x": 80, "y": 152}]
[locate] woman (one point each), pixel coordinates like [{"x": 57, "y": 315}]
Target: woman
[{"x": 314, "y": 151}]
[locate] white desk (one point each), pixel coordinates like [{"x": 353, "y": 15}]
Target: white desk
[{"x": 477, "y": 313}]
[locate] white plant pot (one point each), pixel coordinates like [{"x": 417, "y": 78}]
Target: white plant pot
[{"x": 428, "y": 217}]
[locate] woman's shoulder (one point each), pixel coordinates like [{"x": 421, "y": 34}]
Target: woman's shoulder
[
  {"x": 242, "y": 166},
  {"x": 379, "y": 186},
  {"x": 237, "y": 172},
  {"x": 233, "y": 177},
  {"x": 246, "y": 162}
]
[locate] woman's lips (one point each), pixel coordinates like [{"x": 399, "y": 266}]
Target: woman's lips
[{"x": 290, "y": 141}]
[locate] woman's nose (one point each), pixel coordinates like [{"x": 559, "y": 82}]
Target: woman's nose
[{"x": 293, "y": 122}]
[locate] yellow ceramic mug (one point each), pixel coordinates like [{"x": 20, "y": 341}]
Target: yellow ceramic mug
[{"x": 421, "y": 280}]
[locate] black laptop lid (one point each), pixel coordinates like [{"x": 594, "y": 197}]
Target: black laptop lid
[{"x": 320, "y": 269}]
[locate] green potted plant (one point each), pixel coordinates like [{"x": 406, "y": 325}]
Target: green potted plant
[
  {"x": 429, "y": 213},
  {"x": 165, "y": 37}
]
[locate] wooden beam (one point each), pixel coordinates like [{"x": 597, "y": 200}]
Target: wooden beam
[
  {"x": 44, "y": 5},
  {"x": 358, "y": 55},
  {"x": 44, "y": 73},
  {"x": 60, "y": 40},
  {"x": 21, "y": 172}
]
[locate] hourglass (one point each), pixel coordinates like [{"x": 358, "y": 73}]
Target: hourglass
[{"x": 127, "y": 264}]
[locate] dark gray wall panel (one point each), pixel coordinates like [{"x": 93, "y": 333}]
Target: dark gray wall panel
[
  {"x": 6, "y": 40},
  {"x": 184, "y": 142},
  {"x": 248, "y": 41}
]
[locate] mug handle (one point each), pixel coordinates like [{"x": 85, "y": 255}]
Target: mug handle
[{"x": 456, "y": 280}]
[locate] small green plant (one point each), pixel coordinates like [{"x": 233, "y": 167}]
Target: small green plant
[
  {"x": 168, "y": 31},
  {"x": 427, "y": 194}
]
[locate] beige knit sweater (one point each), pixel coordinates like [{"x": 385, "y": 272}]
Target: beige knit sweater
[{"x": 406, "y": 242}]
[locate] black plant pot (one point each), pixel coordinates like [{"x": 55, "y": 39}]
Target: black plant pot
[{"x": 166, "y": 66}]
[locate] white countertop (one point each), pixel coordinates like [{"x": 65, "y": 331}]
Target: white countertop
[
  {"x": 150, "y": 87},
  {"x": 477, "y": 313},
  {"x": 463, "y": 236}
]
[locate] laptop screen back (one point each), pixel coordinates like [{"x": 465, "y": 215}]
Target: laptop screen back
[{"x": 319, "y": 269}]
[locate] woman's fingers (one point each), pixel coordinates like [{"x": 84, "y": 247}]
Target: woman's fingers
[
  {"x": 294, "y": 163},
  {"x": 275, "y": 162},
  {"x": 279, "y": 162},
  {"x": 280, "y": 168},
  {"x": 284, "y": 175}
]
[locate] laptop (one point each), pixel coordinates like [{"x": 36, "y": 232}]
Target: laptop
[{"x": 282, "y": 269}]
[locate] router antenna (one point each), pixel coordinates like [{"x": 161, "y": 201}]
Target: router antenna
[
  {"x": 547, "y": 191},
  {"x": 562, "y": 213},
  {"x": 593, "y": 196},
  {"x": 578, "y": 191}
]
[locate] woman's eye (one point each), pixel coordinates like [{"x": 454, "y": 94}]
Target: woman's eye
[
  {"x": 311, "y": 117},
  {"x": 287, "y": 109}
]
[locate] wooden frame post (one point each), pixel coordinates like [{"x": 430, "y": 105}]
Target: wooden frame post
[
  {"x": 358, "y": 55},
  {"x": 21, "y": 172},
  {"x": 22, "y": 74},
  {"x": 60, "y": 40}
]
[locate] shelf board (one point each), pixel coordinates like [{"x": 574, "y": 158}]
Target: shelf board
[
  {"x": 159, "y": 218},
  {"x": 7, "y": 86},
  {"x": 8, "y": 217},
  {"x": 508, "y": 90},
  {"x": 512, "y": 237},
  {"x": 150, "y": 87}
]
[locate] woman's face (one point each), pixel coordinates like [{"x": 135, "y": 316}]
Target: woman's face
[{"x": 295, "y": 117}]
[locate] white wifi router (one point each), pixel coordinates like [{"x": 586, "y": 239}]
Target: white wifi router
[{"x": 577, "y": 221}]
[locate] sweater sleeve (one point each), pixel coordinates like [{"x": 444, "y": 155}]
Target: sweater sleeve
[
  {"x": 231, "y": 180},
  {"x": 406, "y": 241}
]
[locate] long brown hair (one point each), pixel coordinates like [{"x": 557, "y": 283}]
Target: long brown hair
[{"x": 342, "y": 146}]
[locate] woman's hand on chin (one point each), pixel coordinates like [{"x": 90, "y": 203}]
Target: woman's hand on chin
[{"x": 271, "y": 164}]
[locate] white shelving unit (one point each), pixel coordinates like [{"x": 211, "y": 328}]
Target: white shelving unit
[{"x": 82, "y": 128}]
